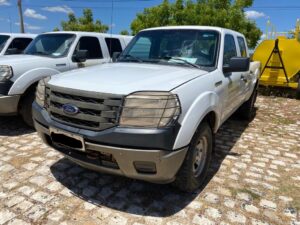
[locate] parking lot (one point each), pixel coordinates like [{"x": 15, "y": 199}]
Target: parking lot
[{"x": 254, "y": 179}]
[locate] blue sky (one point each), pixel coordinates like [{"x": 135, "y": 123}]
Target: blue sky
[{"x": 41, "y": 15}]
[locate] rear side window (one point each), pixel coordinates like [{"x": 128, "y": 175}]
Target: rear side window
[
  {"x": 229, "y": 49},
  {"x": 19, "y": 44},
  {"x": 113, "y": 45},
  {"x": 242, "y": 45},
  {"x": 92, "y": 45}
]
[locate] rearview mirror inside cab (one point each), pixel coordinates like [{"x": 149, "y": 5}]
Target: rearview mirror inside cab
[{"x": 237, "y": 64}]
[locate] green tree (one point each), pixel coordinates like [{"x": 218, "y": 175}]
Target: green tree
[
  {"x": 84, "y": 23},
  {"x": 222, "y": 13},
  {"x": 124, "y": 32}
]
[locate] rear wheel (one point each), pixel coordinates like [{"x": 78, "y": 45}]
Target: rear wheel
[
  {"x": 195, "y": 166},
  {"x": 247, "y": 110},
  {"x": 26, "y": 107},
  {"x": 298, "y": 89}
]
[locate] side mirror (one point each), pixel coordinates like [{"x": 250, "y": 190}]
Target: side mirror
[
  {"x": 11, "y": 51},
  {"x": 81, "y": 56},
  {"x": 115, "y": 56},
  {"x": 237, "y": 64}
]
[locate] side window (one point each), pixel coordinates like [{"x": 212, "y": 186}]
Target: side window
[
  {"x": 92, "y": 45},
  {"x": 229, "y": 49},
  {"x": 113, "y": 45},
  {"x": 19, "y": 44},
  {"x": 242, "y": 46}
]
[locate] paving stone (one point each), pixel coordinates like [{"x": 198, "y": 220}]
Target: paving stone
[
  {"x": 236, "y": 217},
  {"x": 5, "y": 216},
  {"x": 212, "y": 198},
  {"x": 229, "y": 202},
  {"x": 14, "y": 200},
  {"x": 268, "y": 204},
  {"x": 244, "y": 196},
  {"x": 251, "y": 208},
  {"x": 213, "y": 213},
  {"x": 17, "y": 222},
  {"x": 56, "y": 216},
  {"x": 42, "y": 197},
  {"x": 201, "y": 220},
  {"x": 36, "y": 212}
]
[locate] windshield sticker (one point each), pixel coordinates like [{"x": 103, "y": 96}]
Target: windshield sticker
[{"x": 190, "y": 60}]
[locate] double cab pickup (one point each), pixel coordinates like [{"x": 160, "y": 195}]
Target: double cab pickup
[{"x": 153, "y": 114}]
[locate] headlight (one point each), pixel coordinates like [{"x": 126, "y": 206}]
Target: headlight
[
  {"x": 40, "y": 96},
  {"x": 5, "y": 73},
  {"x": 150, "y": 109}
]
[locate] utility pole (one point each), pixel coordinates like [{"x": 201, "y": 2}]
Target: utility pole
[{"x": 22, "y": 30}]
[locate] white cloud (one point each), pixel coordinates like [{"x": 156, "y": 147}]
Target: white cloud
[
  {"x": 4, "y": 2},
  {"x": 61, "y": 9},
  {"x": 29, "y": 27},
  {"x": 31, "y": 13},
  {"x": 254, "y": 14}
]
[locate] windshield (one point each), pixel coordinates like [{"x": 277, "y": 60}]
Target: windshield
[
  {"x": 185, "y": 47},
  {"x": 52, "y": 45},
  {"x": 3, "y": 40}
]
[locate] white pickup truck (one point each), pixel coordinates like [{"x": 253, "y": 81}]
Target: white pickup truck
[
  {"x": 153, "y": 114},
  {"x": 14, "y": 43},
  {"x": 50, "y": 54}
]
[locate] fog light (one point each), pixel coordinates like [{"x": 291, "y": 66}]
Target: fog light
[{"x": 145, "y": 167}]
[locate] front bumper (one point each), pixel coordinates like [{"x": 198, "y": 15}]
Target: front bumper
[
  {"x": 129, "y": 161},
  {"x": 9, "y": 104}
]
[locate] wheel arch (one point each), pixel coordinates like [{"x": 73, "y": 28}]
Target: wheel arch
[{"x": 205, "y": 108}]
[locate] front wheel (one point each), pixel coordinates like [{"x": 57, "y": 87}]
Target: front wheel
[
  {"x": 195, "y": 166},
  {"x": 26, "y": 107}
]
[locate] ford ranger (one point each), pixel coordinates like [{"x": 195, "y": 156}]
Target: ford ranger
[
  {"x": 50, "y": 54},
  {"x": 151, "y": 115}
]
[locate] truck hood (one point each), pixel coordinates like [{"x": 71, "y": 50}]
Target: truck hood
[
  {"x": 14, "y": 60},
  {"x": 125, "y": 78}
]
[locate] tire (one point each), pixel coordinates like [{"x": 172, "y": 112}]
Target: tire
[
  {"x": 26, "y": 107},
  {"x": 194, "y": 169},
  {"x": 247, "y": 110},
  {"x": 298, "y": 89}
]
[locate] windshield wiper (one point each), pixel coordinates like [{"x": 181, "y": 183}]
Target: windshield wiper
[
  {"x": 183, "y": 60},
  {"x": 132, "y": 57}
]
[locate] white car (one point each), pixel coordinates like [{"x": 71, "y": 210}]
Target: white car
[
  {"x": 153, "y": 114},
  {"x": 50, "y": 54},
  {"x": 14, "y": 43}
]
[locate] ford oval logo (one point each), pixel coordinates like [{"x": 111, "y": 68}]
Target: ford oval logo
[{"x": 70, "y": 109}]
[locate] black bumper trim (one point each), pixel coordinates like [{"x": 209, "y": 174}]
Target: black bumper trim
[
  {"x": 160, "y": 139},
  {"x": 5, "y": 86}
]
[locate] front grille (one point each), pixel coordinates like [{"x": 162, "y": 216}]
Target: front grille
[{"x": 96, "y": 111}]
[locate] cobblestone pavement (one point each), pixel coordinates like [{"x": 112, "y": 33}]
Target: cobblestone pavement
[{"x": 254, "y": 179}]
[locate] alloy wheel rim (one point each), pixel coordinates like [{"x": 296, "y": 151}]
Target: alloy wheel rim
[{"x": 200, "y": 156}]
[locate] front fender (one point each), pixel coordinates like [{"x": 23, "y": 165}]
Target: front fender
[
  {"x": 30, "y": 77},
  {"x": 203, "y": 104}
]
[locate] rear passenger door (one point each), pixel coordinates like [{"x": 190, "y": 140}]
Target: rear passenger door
[
  {"x": 18, "y": 45},
  {"x": 94, "y": 49}
]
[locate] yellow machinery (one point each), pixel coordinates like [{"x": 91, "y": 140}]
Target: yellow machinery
[{"x": 280, "y": 61}]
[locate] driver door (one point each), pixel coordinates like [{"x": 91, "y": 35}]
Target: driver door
[
  {"x": 95, "y": 53},
  {"x": 231, "y": 81}
]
